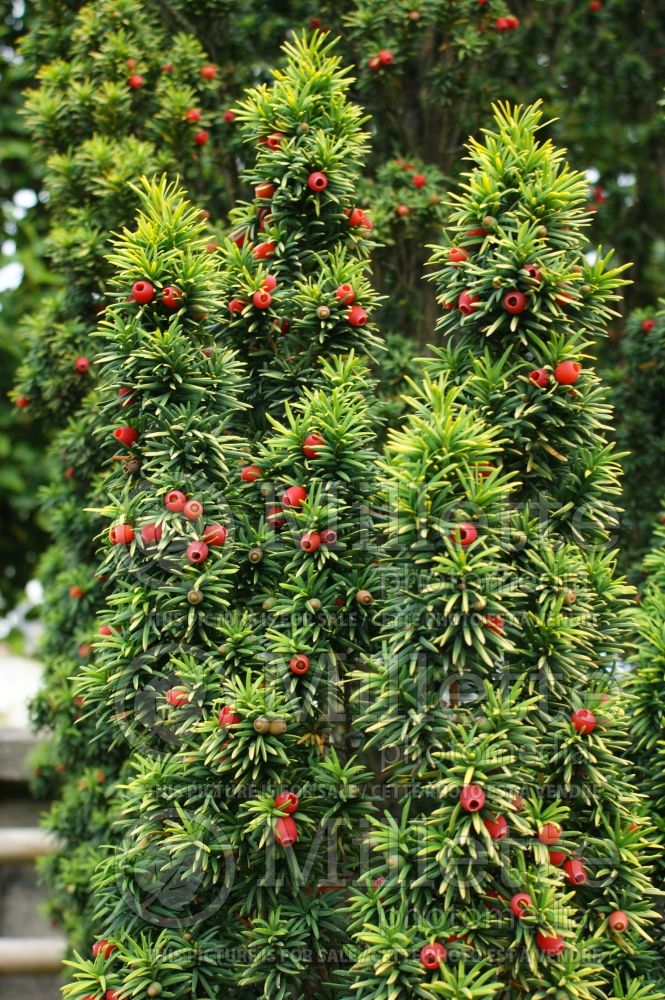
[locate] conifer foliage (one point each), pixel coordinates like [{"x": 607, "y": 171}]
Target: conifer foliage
[
  {"x": 520, "y": 859},
  {"x": 108, "y": 108},
  {"x": 238, "y": 842},
  {"x": 237, "y": 821},
  {"x": 646, "y": 686},
  {"x": 295, "y": 270},
  {"x": 168, "y": 523}
]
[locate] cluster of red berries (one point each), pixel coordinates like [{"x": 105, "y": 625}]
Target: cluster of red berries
[
  {"x": 261, "y": 298},
  {"x": 508, "y": 23},
  {"x": 286, "y": 830},
  {"x": 383, "y": 58},
  {"x": 144, "y": 292},
  {"x": 201, "y": 137},
  {"x": 357, "y": 218},
  {"x": 565, "y": 373},
  {"x": 105, "y": 949},
  {"x": 356, "y": 316},
  {"x": 213, "y": 534},
  {"x": 472, "y": 799}
]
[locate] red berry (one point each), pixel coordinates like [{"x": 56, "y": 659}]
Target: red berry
[
  {"x": 250, "y": 473},
  {"x": 229, "y": 116},
  {"x": 208, "y": 72},
  {"x": 374, "y": 63},
  {"x": 356, "y": 217},
  {"x": 465, "y": 532},
  {"x": 104, "y": 948},
  {"x": 197, "y": 552},
  {"x": 457, "y": 255},
  {"x": 167, "y": 68},
  {"x": 112, "y": 995},
  {"x": 136, "y": 81},
  {"x": 467, "y": 303},
  {"x": 500, "y": 24},
  {"x": 533, "y": 273},
  {"x": 479, "y": 231},
  {"x": 270, "y": 282},
  {"x": 227, "y": 716},
  {"x": 575, "y": 873},
  {"x": 519, "y": 903},
  {"x": 495, "y": 623},
  {"x": 557, "y": 858},
  {"x": 126, "y": 391},
  {"x": 264, "y": 250},
  {"x": 584, "y": 720},
  {"x": 549, "y": 945},
  {"x": 328, "y": 537},
  {"x": 125, "y": 435},
  {"x": 497, "y": 828},
  {"x": 310, "y": 541},
  {"x": 193, "y": 115},
  {"x": 295, "y": 496},
  {"x": 287, "y": 801},
  {"x": 200, "y": 138},
  {"x": 311, "y": 445},
  {"x": 472, "y": 798},
  {"x": 237, "y": 305},
  {"x": 264, "y": 190},
  {"x": 432, "y": 955},
  {"x": 192, "y": 509},
  {"x": 274, "y": 141},
  {"x": 215, "y": 534},
  {"x": 143, "y": 292},
  {"x": 512, "y": 21},
  {"x": 514, "y": 302},
  {"x": 76, "y": 592},
  {"x": 151, "y": 533},
  {"x": 121, "y": 534},
  {"x": 403, "y": 211},
  {"x": 419, "y": 180},
  {"x": 648, "y": 325},
  {"x": 175, "y": 500},
  {"x": 299, "y": 664},
  {"x": 130, "y": 63},
  {"x": 567, "y": 372},
  {"x": 172, "y": 297},
  {"x": 317, "y": 181},
  {"x": 563, "y": 299},
  {"x": 104, "y": 630},
  {"x": 378, "y": 882},
  {"x": 356, "y": 316},
  {"x": 618, "y": 921},
  {"x": 540, "y": 377},
  {"x": 177, "y": 696},
  {"x": 274, "y": 516},
  {"x": 70, "y": 472},
  {"x": 286, "y": 831},
  {"x": 345, "y": 294},
  {"x": 81, "y": 364},
  {"x": 262, "y": 299},
  {"x": 550, "y": 833},
  {"x": 386, "y": 57},
  {"x": 22, "y": 402},
  {"x": 595, "y": 5}
]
